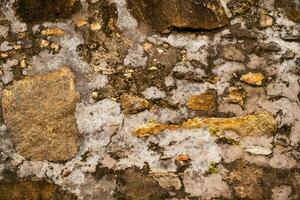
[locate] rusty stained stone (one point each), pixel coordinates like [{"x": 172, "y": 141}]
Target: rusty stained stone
[
  {"x": 133, "y": 104},
  {"x": 39, "y": 112},
  {"x": 167, "y": 14},
  {"x": 247, "y": 125},
  {"x": 203, "y": 102},
  {"x": 33, "y": 190}
]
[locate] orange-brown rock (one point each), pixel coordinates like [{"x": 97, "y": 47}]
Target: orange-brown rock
[
  {"x": 35, "y": 190},
  {"x": 150, "y": 129},
  {"x": 39, "y": 113},
  {"x": 163, "y": 15},
  {"x": 203, "y": 102},
  {"x": 248, "y": 125},
  {"x": 254, "y": 79},
  {"x": 133, "y": 104}
]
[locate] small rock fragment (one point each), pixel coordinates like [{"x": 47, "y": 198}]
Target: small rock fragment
[
  {"x": 39, "y": 112},
  {"x": 44, "y": 44},
  {"x": 23, "y": 63},
  {"x": 237, "y": 95},
  {"x": 108, "y": 162},
  {"x": 3, "y": 55},
  {"x": 183, "y": 157},
  {"x": 150, "y": 129},
  {"x": 252, "y": 78},
  {"x": 79, "y": 22},
  {"x": 232, "y": 53},
  {"x": 258, "y": 150},
  {"x": 133, "y": 104},
  {"x": 95, "y": 26},
  {"x": 203, "y": 102},
  {"x": 147, "y": 46},
  {"x": 54, "y": 46},
  {"x": 167, "y": 179},
  {"x": 265, "y": 21},
  {"x": 53, "y": 32}
]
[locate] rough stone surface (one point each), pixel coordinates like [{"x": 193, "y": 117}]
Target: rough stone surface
[
  {"x": 149, "y": 126},
  {"x": 39, "y": 112},
  {"x": 27, "y": 190},
  {"x": 162, "y": 15}
]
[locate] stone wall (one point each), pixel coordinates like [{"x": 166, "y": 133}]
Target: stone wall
[{"x": 149, "y": 99}]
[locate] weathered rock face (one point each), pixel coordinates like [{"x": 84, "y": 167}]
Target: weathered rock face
[
  {"x": 162, "y": 15},
  {"x": 33, "y": 191},
  {"x": 39, "y": 112},
  {"x": 45, "y": 10}
]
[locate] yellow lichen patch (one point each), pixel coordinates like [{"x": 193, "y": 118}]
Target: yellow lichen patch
[
  {"x": 248, "y": 125},
  {"x": 251, "y": 78},
  {"x": 257, "y": 124},
  {"x": 53, "y": 32}
]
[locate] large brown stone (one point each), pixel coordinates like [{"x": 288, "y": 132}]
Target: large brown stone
[
  {"x": 39, "y": 112},
  {"x": 36, "y": 190},
  {"x": 45, "y": 10},
  {"x": 163, "y": 15}
]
